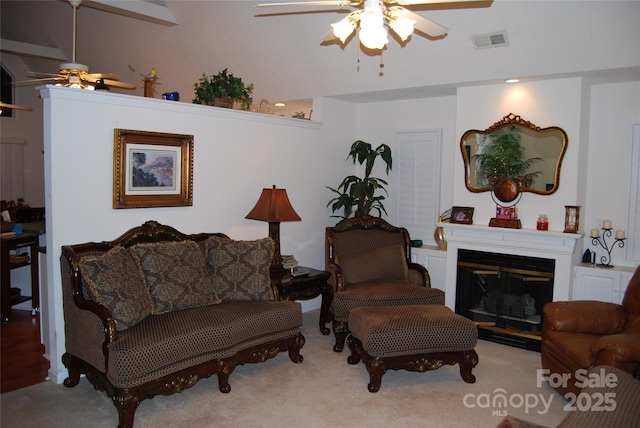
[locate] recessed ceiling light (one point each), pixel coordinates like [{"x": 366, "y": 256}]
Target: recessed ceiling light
[
  {"x": 279, "y": 104},
  {"x": 512, "y": 81}
]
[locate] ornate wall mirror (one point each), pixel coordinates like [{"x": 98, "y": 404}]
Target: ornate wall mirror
[{"x": 513, "y": 156}]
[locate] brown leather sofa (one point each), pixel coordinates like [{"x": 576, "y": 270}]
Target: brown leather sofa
[{"x": 582, "y": 334}]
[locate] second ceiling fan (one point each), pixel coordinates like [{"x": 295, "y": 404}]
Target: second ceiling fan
[
  {"x": 373, "y": 16},
  {"x": 76, "y": 75}
]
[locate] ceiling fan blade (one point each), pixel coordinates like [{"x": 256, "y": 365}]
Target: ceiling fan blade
[
  {"x": 97, "y": 76},
  {"x": 117, "y": 84},
  {"x": 422, "y": 25},
  {"x": 42, "y": 80},
  {"x": 329, "y": 36},
  {"x": 15, "y": 106},
  {"x": 340, "y": 3},
  {"x": 37, "y": 74},
  {"x": 305, "y": 7},
  {"x": 416, "y": 2}
]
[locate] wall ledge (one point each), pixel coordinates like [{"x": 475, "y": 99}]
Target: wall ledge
[{"x": 48, "y": 92}]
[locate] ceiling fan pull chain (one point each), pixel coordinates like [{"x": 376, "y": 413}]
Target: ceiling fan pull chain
[
  {"x": 358, "y": 54},
  {"x": 381, "y": 73}
]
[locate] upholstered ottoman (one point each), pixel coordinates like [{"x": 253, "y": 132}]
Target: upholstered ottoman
[{"x": 415, "y": 338}]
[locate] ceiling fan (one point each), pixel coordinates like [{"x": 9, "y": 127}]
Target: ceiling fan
[
  {"x": 373, "y": 15},
  {"x": 76, "y": 75}
]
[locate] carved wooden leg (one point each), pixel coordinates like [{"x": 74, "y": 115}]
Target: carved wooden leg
[
  {"x": 126, "y": 405},
  {"x": 354, "y": 358},
  {"x": 74, "y": 372},
  {"x": 225, "y": 368},
  {"x": 376, "y": 369},
  {"x": 294, "y": 351},
  {"x": 327, "y": 295},
  {"x": 469, "y": 361},
  {"x": 341, "y": 331}
]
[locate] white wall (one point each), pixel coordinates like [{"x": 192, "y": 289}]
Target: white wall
[
  {"x": 379, "y": 122},
  {"x": 614, "y": 109},
  {"x": 544, "y": 103},
  {"x": 236, "y": 154}
]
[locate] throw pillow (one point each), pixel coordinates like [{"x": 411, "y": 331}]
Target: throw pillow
[
  {"x": 114, "y": 280},
  {"x": 240, "y": 270},
  {"x": 375, "y": 264},
  {"x": 175, "y": 274}
]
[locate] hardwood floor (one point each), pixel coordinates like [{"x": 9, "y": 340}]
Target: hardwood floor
[{"x": 21, "y": 360}]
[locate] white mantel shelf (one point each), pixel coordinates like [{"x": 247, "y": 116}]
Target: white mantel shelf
[
  {"x": 548, "y": 241},
  {"x": 547, "y": 244}
]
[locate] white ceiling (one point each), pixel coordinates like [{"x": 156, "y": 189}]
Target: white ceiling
[{"x": 283, "y": 56}]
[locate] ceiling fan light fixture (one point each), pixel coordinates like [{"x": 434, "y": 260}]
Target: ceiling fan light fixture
[
  {"x": 373, "y": 33},
  {"x": 344, "y": 28},
  {"x": 403, "y": 27}
]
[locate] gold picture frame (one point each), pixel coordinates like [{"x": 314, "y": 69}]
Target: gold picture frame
[{"x": 152, "y": 169}]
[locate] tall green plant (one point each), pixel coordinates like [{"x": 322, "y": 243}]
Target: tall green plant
[{"x": 360, "y": 193}]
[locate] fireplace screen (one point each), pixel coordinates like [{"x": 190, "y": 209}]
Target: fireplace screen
[{"x": 504, "y": 294}]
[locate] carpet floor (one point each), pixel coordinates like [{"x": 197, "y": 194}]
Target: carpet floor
[{"x": 323, "y": 391}]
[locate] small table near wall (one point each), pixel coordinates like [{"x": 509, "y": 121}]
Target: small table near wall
[
  {"x": 306, "y": 287},
  {"x": 8, "y": 244}
]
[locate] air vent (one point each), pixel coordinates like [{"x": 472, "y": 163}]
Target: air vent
[{"x": 491, "y": 40}]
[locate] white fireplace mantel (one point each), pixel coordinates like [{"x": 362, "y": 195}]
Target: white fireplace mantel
[{"x": 547, "y": 244}]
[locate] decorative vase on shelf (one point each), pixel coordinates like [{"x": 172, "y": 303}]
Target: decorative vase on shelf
[{"x": 438, "y": 236}]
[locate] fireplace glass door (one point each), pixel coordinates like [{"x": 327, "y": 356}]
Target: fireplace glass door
[{"x": 504, "y": 295}]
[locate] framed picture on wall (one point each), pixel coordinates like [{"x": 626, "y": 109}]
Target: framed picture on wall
[
  {"x": 152, "y": 169},
  {"x": 462, "y": 215}
]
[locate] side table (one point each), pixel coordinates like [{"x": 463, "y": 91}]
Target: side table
[
  {"x": 8, "y": 244},
  {"x": 307, "y": 287}
]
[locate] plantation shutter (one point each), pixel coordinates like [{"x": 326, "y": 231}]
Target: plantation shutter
[
  {"x": 417, "y": 160},
  {"x": 633, "y": 240}
]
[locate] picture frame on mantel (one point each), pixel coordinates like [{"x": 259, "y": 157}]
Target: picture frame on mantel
[
  {"x": 571, "y": 218},
  {"x": 462, "y": 215},
  {"x": 152, "y": 169}
]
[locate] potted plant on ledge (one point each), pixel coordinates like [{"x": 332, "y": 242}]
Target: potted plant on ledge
[
  {"x": 223, "y": 90},
  {"x": 360, "y": 193}
]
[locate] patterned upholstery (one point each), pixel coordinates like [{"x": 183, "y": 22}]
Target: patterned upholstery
[
  {"x": 175, "y": 274},
  {"x": 388, "y": 263},
  {"x": 114, "y": 280},
  {"x": 625, "y": 394},
  {"x": 389, "y": 331},
  {"x": 240, "y": 269},
  {"x": 383, "y": 293},
  {"x": 163, "y": 344},
  {"x": 363, "y": 281},
  {"x": 166, "y": 353}
]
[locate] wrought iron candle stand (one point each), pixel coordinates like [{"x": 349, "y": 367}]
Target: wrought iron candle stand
[{"x": 605, "y": 260}]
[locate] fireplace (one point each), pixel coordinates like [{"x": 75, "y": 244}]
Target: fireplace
[{"x": 504, "y": 294}]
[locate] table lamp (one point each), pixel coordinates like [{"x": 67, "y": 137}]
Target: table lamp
[{"x": 274, "y": 207}]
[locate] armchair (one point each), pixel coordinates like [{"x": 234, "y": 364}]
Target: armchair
[
  {"x": 370, "y": 265},
  {"x": 582, "y": 334}
]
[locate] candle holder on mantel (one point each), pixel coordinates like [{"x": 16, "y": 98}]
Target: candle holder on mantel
[{"x": 605, "y": 260}]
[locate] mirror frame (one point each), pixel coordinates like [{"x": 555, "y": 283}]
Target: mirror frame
[{"x": 507, "y": 121}]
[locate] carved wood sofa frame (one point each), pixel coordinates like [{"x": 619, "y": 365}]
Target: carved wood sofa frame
[{"x": 99, "y": 325}]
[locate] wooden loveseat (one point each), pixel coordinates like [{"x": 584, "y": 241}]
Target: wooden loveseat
[{"x": 154, "y": 311}]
